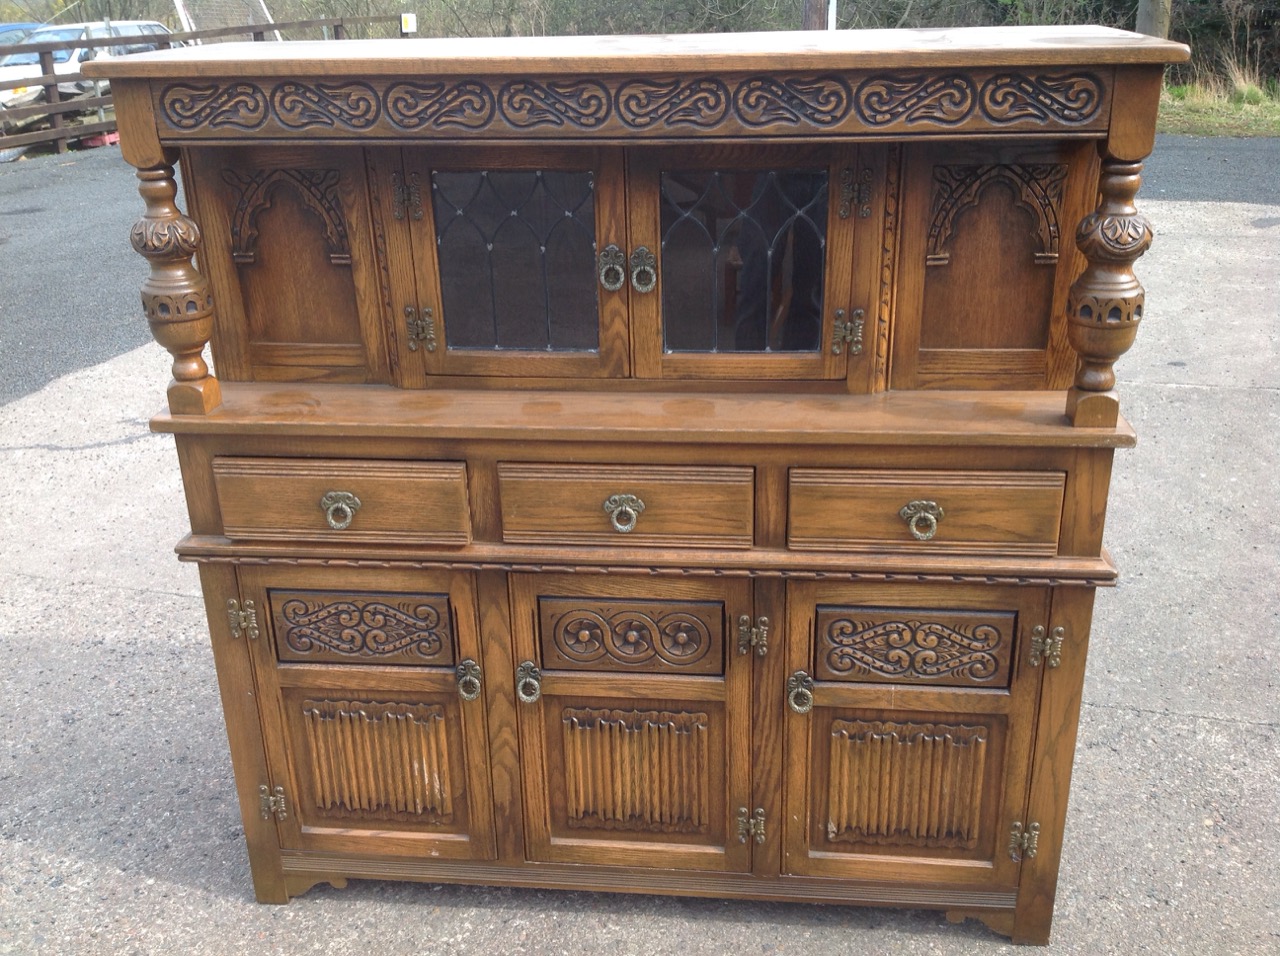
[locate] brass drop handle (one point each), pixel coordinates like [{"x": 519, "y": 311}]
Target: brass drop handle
[
  {"x": 623, "y": 511},
  {"x": 528, "y": 682},
  {"x": 339, "y": 508},
  {"x": 468, "y": 676},
  {"x": 922, "y": 518},
  {"x": 613, "y": 268},
  {"x": 800, "y": 692},
  {"x": 644, "y": 269}
]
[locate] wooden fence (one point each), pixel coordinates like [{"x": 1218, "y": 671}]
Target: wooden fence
[{"x": 63, "y": 120}]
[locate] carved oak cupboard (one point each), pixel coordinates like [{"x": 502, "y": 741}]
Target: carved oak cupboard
[{"x": 668, "y": 464}]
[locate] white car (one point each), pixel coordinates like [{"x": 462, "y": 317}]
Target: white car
[{"x": 136, "y": 36}]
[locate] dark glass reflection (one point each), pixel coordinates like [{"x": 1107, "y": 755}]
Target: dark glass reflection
[
  {"x": 517, "y": 259},
  {"x": 742, "y": 260}
]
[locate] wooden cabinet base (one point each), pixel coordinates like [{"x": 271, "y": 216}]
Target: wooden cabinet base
[{"x": 661, "y": 465}]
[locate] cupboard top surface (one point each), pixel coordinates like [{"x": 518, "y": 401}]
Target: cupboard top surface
[{"x": 700, "y": 53}]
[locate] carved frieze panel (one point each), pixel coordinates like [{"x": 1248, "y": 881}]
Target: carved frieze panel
[
  {"x": 780, "y": 104},
  {"x": 917, "y": 646},
  {"x": 1037, "y": 188},
  {"x": 375, "y": 760},
  {"x": 901, "y": 783},
  {"x": 318, "y": 189},
  {"x": 642, "y": 771},
  {"x": 600, "y": 634},
  {"x": 364, "y": 628}
]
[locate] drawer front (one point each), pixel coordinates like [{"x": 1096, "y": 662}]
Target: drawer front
[
  {"x": 394, "y": 502},
  {"x": 939, "y": 511},
  {"x": 629, "y": 505}
]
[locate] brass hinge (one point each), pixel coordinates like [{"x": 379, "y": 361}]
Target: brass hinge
[
  {"x": 1047, "y": 648},
  {"x": 273, "y": 802},
  {"x": 1023, "y": 842},
  {"x": 750, "y": 826},
  {"x": 243, "y": 619},
  {"x": 406, "y": 198},
  {"x": 422, "y": 328},
  {"x": 756, "y": 635},
  {"x": 848, "y": 332}
]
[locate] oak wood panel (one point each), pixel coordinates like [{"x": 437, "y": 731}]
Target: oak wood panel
[
  {"x": 338, "y": 627},
  {"x": 405, "y": 502},
  {"x": 859, "y": 510},
  {"x": 708, "y": 507}
]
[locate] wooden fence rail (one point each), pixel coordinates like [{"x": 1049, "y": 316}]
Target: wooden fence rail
[{"x": 55, "y": 111}]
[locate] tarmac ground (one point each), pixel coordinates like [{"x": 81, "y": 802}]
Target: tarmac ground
[{"x": 119, "y": 832}]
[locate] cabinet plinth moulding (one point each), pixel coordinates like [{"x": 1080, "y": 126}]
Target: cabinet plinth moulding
[
  {"x": 640, "y": 463},
  {"x": 175, "y": 297}
]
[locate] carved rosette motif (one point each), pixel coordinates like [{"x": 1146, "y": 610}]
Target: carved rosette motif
[
  {"x": 175, "y": 296},
  {"x": 467, "y": 104},
  {"x": 318, "y": 189},
  {"x": 579, "y": 103},
  {"x": 364, "y": 628},
  {"x": 1069, "y": 99},
  {"x": 916, "y": 650},
  {"x": 633, "y": 637},
  {"x": 1105, "y": 303},
  {"x": 768, "y": 100},
  {"x": 1036, "y": 188},
  {"x": 940, "y": 100},
  {"x": 298, "y": 105},
  {"x": 644, "y": 104}
]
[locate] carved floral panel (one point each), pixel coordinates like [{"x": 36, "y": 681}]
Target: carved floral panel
[
  {"x": 916, "y": 646},
  {"x": 362, "y": 628},
  {"x": 601, "y": 634}
]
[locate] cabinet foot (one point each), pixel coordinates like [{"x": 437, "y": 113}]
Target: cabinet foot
[
  {"x": 298, "y": 883},
  {"x": 998, "y": 922}
]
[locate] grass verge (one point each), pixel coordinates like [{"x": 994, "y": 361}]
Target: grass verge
[{"x": 1214, "y": 109}]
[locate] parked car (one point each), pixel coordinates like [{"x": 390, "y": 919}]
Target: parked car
[
  {"x": 137, "y": 36},
  {"x": 11, "y": 33}
]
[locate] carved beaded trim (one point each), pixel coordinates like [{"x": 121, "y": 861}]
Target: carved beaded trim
[{"x": 782, "y": 103}]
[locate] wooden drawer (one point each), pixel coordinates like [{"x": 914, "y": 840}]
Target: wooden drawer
[
  {"x": 681, "y": 506},
  {"x": 961, "y": 511},
  {"x": 399, "y": 502}
]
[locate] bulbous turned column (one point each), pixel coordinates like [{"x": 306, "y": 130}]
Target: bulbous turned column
[
  {"x": 175, "y": 297},
  {"x": 1105, "y": 303}
]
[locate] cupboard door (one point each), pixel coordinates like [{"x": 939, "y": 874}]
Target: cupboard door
[
  {"x": 912, "y": 763},
  {"x": 634, "y": 709},
  {"x": 508, "y": 252},
  {"x": 753, "y": 262},
  {"x": 366, "y": 721}
]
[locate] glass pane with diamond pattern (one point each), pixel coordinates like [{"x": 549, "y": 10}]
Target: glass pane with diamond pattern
[
  {"x": 742, "y": 259},
  {"x": 517, "y": 259}
]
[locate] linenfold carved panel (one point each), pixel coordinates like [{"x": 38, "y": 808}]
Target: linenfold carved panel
[
  {"x": 640, "y": 771},
  {"x": 1036, "y": 188},
  {"x": 781, "y": 104},
  {"x": 684, "y": 637},
  {"x": 905, "y": 783},
  {"x": 318, "y": 189},
  {"x": 379, "y": 760},
  {"x": 316, "y": 626},
  {"x": 949, "y": 648}
]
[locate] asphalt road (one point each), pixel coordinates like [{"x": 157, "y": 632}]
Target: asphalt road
[{"x": 69, "y": 280}]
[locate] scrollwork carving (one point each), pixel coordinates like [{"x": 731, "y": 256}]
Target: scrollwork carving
[
  {"x": 364, "y": 627},
  {"x": 302, "y": 105},
  {"x": 631, "y": 636},
  {"x": 529, "y": 103},
  {"x": 466, "y": 103},
  {"x": 917, "y": 650},
  {"x": 769, "y": 100},
  {"x": 941, "y": 100},
  {"x": 645, "y": 104},
  {"x": 188, "y": 107},
  {"x": 1012, "y": 97}
]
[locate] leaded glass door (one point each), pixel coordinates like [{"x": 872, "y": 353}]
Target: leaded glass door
[
  {"x": 753, "y": 260},
  {"x": 508, "y": 250}
]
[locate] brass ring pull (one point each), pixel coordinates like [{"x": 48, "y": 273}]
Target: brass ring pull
[
  {"x": 922, "y": 518},
  {"x": 613, "y": 268},
  {"x": 339, "y": 508},
  {"x": 800, "y": 692},
  {"x": 644, "y": 270},
  {"x": 528, "y": 682},
  {"x": 468, "y": 676},
  {"x": 624, "y": 511}
]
